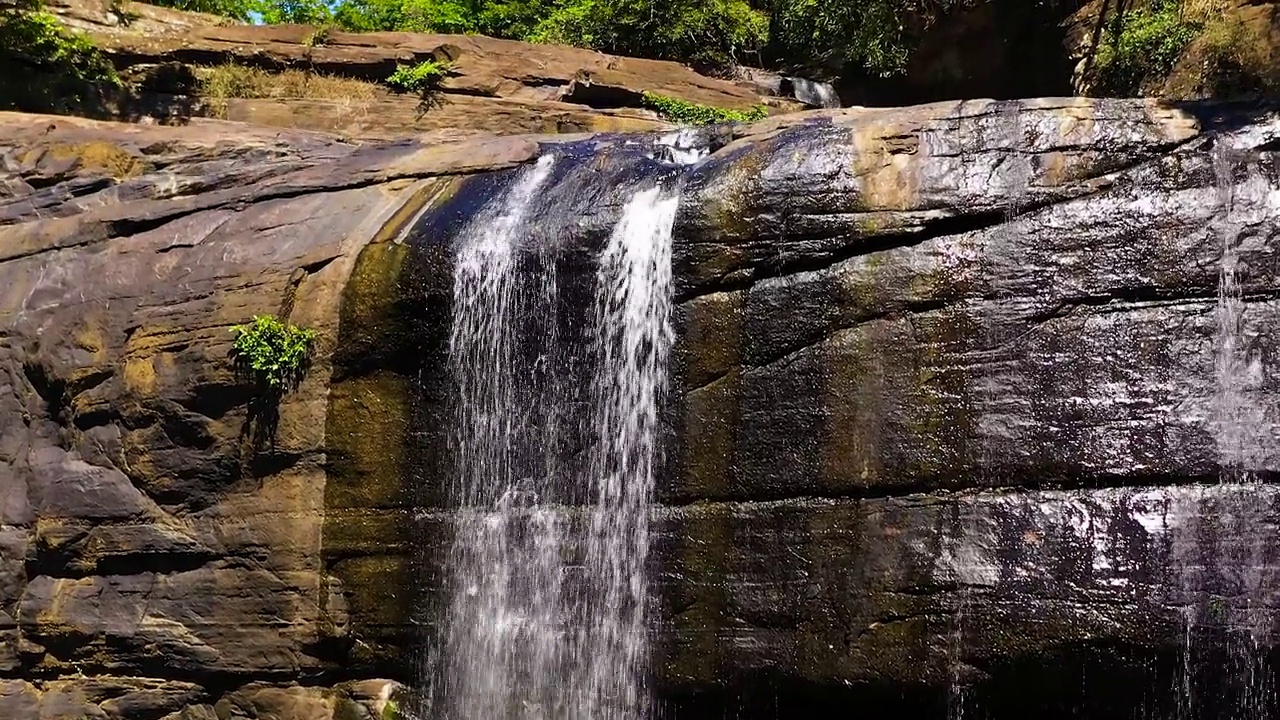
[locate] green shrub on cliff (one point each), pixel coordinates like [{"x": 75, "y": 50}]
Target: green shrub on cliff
[
  {"x": 687, "y": 113},
  {"x": 237, "y": 9},
  {"x": 425, "y": 77},
  {"x": 423, "y": 80},
  {"x": 274, "y": 354},
  {"x": 48, "y": 68},
  {"x": 876, "y": 35},
  {"x": 1233, "y": 61},
  {"x": 706, "y": 33},
  {"x": 870, "y": 33},
  {"x": 1141, "y": 44}
]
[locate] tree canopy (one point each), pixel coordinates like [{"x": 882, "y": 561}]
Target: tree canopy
[{"x": 874, "y": 35}]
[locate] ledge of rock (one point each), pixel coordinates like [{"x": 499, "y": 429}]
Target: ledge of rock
[{"x": 493, "y": 85}]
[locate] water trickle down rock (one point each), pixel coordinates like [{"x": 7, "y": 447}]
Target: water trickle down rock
[
  {"x": 549, "y": 602},
  {"x": 1009, "y": 178}
]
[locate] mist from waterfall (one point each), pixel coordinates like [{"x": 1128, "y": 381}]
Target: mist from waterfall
[{"x": 547, "y": 606}]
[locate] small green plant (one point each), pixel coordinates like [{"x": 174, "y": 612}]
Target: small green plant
[
  {"x": 684, "y": 112},
  {"x": 1218, "y": 609},
  {"x": 422, "y": 78},
  {"x": 273, "y": 353},
  {"x": 59, "y": 70},
  {"x": 1142, "y": 44},
  {"x": 1234, "y": 60}
]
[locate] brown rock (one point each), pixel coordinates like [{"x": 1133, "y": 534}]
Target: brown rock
[{"x": 493, "y": 86}]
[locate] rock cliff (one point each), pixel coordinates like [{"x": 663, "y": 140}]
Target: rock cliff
[
  {"x": 950, "y": 409},
  {"x": 337, "y": 81}
]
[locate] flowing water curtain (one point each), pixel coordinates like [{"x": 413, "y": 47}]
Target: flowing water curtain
[
  {"x": 514, "y": 644},
  {"x": 1240, "y": 421},
  {"x": 633, "y": 338},
  {"x": 499, "y": 648}
]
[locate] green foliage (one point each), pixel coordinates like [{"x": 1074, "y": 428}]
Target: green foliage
[
  {"x": 318, "y": 37},
  {"x": 687, "y": 113},
  {"x": 423, "y": 78},
  {"x": 867, "y": 33},
  {"x": 872, "y": 34},
  {"x": 714, "y": 33},
  {"x": 1142, "y": 43},
  {"x": 48, "y": 67},
  {"x": 709, "y": 32},
  {"x": 391, "y": 711},
  {"x": 236, "y": 9},
  {"x": 298, "y": 12},
  {"x": 273, "y": 353},
  {"x": 875, "y": 35},
  {"x": 1217, "y": 610},
  {"x": 431, "y": 16},
  {"x": 1233, "y": 61}
]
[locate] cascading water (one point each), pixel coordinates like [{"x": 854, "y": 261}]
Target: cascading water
[
  {"x": 1223, "y": 666},
  {"x": 633, "y": 335},
  {"x": 1236, "y": 420},
  {"x": 547, "y": 611},
  {"x": 814, "y": 94},
  {"x": 499, "y": 650}
]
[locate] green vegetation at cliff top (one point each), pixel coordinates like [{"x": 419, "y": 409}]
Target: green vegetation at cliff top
[
  {"x": 875, "y": 35},
  {"x": 49, "y": 68}
]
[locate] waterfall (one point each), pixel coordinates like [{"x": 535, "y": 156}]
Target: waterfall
[
  {"x": 500, "y": 643},
  {"x": 814, "y": 94},
  {"x": 546, "y": 615},
  {"x": 1009, "y": 173},
  {"x": 633, "y": 335},
  {"x": 1222, "y": 632}
]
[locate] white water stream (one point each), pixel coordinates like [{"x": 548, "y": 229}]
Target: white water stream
[{"x": 547, "y": 612}]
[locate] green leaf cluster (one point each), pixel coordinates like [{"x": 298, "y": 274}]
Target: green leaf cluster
[
  {"x": 422, "y": 78},
  {"x": 870, "y": 33},
  {"x": 236, "y": 9},
  {"x": 710, "y": 33},
  {"x": 1142, "y": 43},
  {"x": 50, "y": 69},
  {"x": 688, "y": 113},
  {"x": 273, "y": 353}
]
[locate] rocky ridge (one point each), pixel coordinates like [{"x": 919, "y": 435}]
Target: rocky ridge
[{"x": 493, "y": 86}]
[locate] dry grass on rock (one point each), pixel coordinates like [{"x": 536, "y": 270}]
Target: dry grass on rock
[{"x": 227, "y": 82}]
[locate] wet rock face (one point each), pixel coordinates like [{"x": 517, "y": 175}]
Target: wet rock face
[
  {"x": 155, "y": 558},
  {"x": 877, "y": 316},
  {"x": 951, "y": 398}
]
